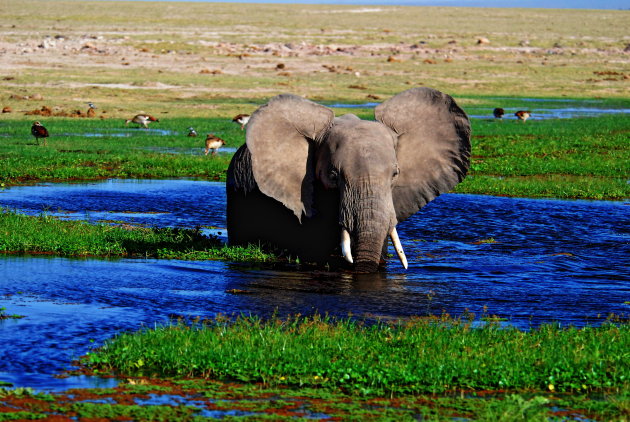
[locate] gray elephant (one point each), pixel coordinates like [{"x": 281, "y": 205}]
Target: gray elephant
[{"x": 322, "y": 188}]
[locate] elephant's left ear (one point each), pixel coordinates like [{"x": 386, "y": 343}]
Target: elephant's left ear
[{"x": 433, "y": 146}]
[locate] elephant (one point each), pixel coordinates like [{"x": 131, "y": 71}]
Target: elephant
[{"x": 323, "y": 188}]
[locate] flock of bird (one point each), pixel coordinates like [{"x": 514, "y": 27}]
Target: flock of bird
[
  {"x": 213, "y": 142},
  {"x": 521, "y": 115}
]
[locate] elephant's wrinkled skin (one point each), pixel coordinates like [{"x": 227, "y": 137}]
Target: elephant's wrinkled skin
[{"x": 305, "y": 179}]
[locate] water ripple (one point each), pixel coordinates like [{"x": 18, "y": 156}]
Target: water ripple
[{"x": 531, "y": 261}]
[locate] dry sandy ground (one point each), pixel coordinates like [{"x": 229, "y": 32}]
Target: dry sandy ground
[{"x": 170, "y": 58}]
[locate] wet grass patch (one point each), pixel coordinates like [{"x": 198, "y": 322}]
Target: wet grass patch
[
  {"x": 198, "y": 399},
  {"x": 296, "y": 368},
  {"x": 419, "y": 355},
  {"x": 562, "y": 158},
  {"x": 88, "y": 149},
  {"x": 436, "y": 368},
  {"x": 584, "y": 158},
  {"x": 45, "y": 234}
]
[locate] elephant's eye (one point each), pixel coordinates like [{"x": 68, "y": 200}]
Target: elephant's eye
[
  {"x": 333, "y": 175},
  {"x": 396, "y": 172}
]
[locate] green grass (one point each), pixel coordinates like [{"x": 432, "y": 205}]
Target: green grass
[
  {"x": 585, "y": 158},
  {"x": 86, "y": 149},
  {"x": 568, "y": 158},
  {"x": 417, "y": 356},
  {"x": 49, "y": 235}
]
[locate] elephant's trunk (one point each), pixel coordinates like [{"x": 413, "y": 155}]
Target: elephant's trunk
[
  {"x": 367, "y": 217},
  {"x": 346, "y": 248},
  {"x": 368, "y": 250}
]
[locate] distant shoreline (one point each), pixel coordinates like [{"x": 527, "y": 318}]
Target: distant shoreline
[{"x": 527, "y": 4}]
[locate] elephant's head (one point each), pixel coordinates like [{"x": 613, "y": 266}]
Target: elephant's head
[{"x": 384, "y": 171}]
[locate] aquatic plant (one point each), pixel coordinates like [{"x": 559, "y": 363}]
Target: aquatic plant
[{"x": 5, "y": 315}]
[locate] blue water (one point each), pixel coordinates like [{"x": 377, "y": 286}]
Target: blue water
[
  {"x": 568, "y": 111},
  {"x": 549, "y": 261}
]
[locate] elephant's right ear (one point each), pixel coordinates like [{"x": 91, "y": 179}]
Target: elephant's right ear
[{"x": 278, "y": 136}]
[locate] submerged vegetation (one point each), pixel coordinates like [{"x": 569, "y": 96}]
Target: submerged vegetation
[
  {"x": 5, "y": 315},
  {"x": 152, "y": 399}
]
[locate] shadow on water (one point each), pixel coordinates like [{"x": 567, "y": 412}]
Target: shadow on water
[{"x": 530, "y": 261}]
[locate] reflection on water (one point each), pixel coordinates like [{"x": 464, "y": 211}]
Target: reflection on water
[{"x": 530, "y": 261}]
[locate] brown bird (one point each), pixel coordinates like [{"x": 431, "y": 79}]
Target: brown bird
[
  {"x": 142, "y": 120},
  {"x": 523, "y": 115},
  {"x": 498, "y": 113},
  {"x": 39, "y": 131},
  {"x": 213, "y": 143},
  {"x": 91, "y": 110},
  {"x": 241, "y": 119}
]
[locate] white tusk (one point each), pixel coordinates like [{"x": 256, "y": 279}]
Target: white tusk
[
  {"x": 345, "y": 245},
  {"x": 398, "y": 247}
]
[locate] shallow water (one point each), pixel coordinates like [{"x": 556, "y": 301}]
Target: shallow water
[
  {"x": 190, "y": 151},
  {"x": 549, "y": 260},
  {"x": 555, "y": 113},
  {"x": 125, "y": 133},
  {"x": 563, "y": 109}
]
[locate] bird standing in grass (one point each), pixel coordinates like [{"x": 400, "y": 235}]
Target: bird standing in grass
[
  {"x": 523, "y": 115},
  {"x": 142, "y": 120},
  {"x": 241, "y": 119},
  {"x": 91, "y": 110},
  {"x": 192, "y": 132},
  {"x": 39, "y": 131},
  {"x": 498, "y": 113},
  {"x": 213, "y": 143}
]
